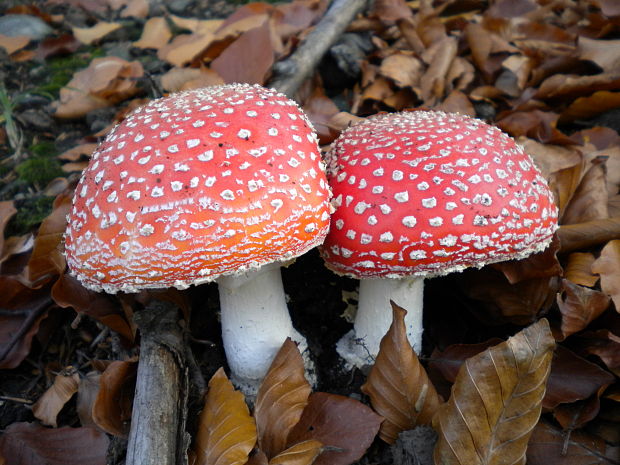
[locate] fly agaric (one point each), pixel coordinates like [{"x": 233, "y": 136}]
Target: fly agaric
[
  {"x": 420, "y": 194},
  {"x": 223, "y": 183}
]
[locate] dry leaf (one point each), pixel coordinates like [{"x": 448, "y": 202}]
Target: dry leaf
[
  {"x": 281, "y": 399},
  {"x": 226, "y": 431},
  {"x": 589, "y": 201},
  {"x": 112, "y": 408},
  {"x": 402, "y": 68},
  {"x": 7, "y": 210},
  {"x": 346, "y": 425},
  {"x": 155, "y": 34},
  {"x": 136, "y": 9},
  {"x": 302, "y": 453},
  {"x": 185, "y": 48},
  {"x": 578, "y": 269},
  {"x": 496, "y": 401},
  {"x": 88, "y": 35},
  {"x": 602, "y": 52},
  {"x": 591, "y": 233},
  {"x": 87, "y": 393},
  {"x": 57, "y": 395},
  {"x": 584, "y": 108},
  {"x": 605, "y": 345},
  {"x": 189, "y": 78},
  {"x": 398, "y": 386},
  {"x": 449, "y": 360},
  {"x": 607, "y": 265},
  {"x": 13, "y": 43},
  {"x": 32, "y": 444},
  {"x": 198, "y": 26},
  {"x": 579, "y": 307}
]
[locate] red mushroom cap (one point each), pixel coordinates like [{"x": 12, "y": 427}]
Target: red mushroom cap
[
  {"x": 428, "y": 193},
  {"x": 196, "y": 185}
]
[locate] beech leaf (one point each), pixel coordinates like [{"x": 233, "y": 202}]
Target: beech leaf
[
  {"x": 226, "y": 431},
  {"x": 398, "y": 387},
  {"x": 578, "y": 269},
  {"x": 496, "y": 401},
  {"x": 281, "y": 399},
  {"x": 579, "y": 306},
  {"x": 302, "y": 453},
  {"x": 344, "y": 424},
  {"x": 57, "y": 395},
  {"x": 608, "y": 267}
]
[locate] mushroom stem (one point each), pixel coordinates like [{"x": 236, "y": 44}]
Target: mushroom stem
[
  {"x": 255, "y": 323},
  {"x": 374, "y": 316}
]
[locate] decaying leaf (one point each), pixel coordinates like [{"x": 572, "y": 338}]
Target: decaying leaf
[
  {"x": 58, "y": 394},
  {"x": 579, "y": 306},
  {"x": 578, "y": 269},
  {"x": 346, "y": 425},
  {"x": 496, "y": 401},
  {"x": 112, "y": 408},
  {"x": 281, "y": 399},
  {"x": 608, "y": 267},
  {"x": 398, "y": 386},
  {"x": 302, "y": 453},
  {"x": 226, "y": 431},
  {"x": 32, "y": 444}
]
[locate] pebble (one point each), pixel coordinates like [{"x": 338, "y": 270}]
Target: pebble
[{"x": 24, "y": 25}]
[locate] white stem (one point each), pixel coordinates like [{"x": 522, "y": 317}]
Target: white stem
[
  {"x": 374, "y": 317},
  {"x": 255, "y": 323}
]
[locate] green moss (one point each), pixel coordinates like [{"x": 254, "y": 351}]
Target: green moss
[
  {"x": 43, "y": 148},
  {"x": 30, "y": 213},
  {"x": 39, "y": 170}
]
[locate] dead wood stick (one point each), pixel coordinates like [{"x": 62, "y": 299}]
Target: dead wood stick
[
  {"x": 591, "y": 233},
  {"x": 292, "y": 72},
  {"x": 158, "y": 416}
]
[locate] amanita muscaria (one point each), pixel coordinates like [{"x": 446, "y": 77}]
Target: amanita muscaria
[
  {"x": 222, "y": 183},
  {"x": 420, "y": 194}
]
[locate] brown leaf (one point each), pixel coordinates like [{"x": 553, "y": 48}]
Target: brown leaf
[
  {"x": 249, "y": 58},
  {"x": 88, "y": 35},
  {"x": 607, "y": 265},
  {"x": 584, "y": 108},
  {"x": 403, "y": 68},
  {"x": 77, "y": 152},
  {"x": 7, "y": 210},
  {"x": 567, "y": 86},
  {"x": 87, "y": 393},
  {"x": 602, "y": 52},
  {"x": 573, "y": 378},
  {"x": 539, "y": 265},
  {"x": 112, "y": 408},
  {"x": 589, "y": 201},
  {"x": 449, "y": 361},
  {"x": 13, "y": 43},
  {"x": 496, "y": 401},
  {"x": 64, "y": 44},
  {"x": 57, "y": 395},
  {"x": 550, "y": 158},
  {"x": 345, "y": 425},
  {"x": 578, "y": 269},
  {"x": 550, "y": 445},
  {"x": 302, "y": 453},
  {"x": 185, "y": 48},
  {"x": 155, "y": 34},
  {"x": 578, "y": 414},
  {"x": 226, "y": 431},
  {"x": 439, "y": 58},
  {"x": 321, "y": 109},
  {"x": 579, "y": 307},
  {"x": 391, "y": 10},
  {"x": 398, "y": 386},
  {"x": 258, "y": 458},
  {"x": 281, "y": 399},
  {"x": 32, "y": 444},
  {"x": 536, "y": 124},
  {"x": 605, "y": 345}
]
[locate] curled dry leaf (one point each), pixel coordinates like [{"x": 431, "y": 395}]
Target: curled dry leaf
[
  {"x": 589, "y": 202},
  {"x": 111, "y": 410},
  {"x": 607, "y": 265},
  {"x": 32, "y": 444},
  {"x": 87, "y": 393},
  {"x": 578, "y": 269},
  {"x": 13, "y": 44},
  {"x": 189, "y": 78},
  {"x": 496, "y": 401},
  {"x": 346, "y": 425},
  {"x": 57, "y": 395},
  {"x": 155, "y": 34},
  {"x": 88, "y": 35},
  {"x": 578, "y": 414},
  {"x": 281, "y": 399},
  {"x": 398, "y": 386},
  {"x": 302, "y": 453},
  {"x": 449, "y": 360},
  {"x": 579, "y": 307},
  {"x": 588, "y": 234},
  {"x": 226, "y": 431}
]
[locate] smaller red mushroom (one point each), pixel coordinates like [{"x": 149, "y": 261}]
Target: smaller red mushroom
[{"x": 421, "y": 194}]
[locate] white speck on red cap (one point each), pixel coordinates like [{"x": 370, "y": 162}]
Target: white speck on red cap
[
  {"x": 216, "y": 194},
  {"x": 446, "y": 192}
]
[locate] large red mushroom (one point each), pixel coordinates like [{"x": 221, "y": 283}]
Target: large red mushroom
[
  {"x": 421, "y": 194},
  {"x": 223, "y": 183}
]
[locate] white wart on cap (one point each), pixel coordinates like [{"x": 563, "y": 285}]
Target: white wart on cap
[{"x": 196, "y": 185}]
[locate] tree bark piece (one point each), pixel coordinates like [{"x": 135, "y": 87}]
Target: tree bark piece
[
  {"x": 158, "y": 417},
  {"x": 293, "y": 71}
]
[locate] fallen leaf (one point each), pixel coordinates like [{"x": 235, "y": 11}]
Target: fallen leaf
[
  {"x": 573, "y": 378},
  {"x": 345, "y": 425},
  {"x": 112, "y": 407},
  {"x": 607, "y": 265},
  {"x": 136, "y": 9},
  {"x": 226, "y": 431},
  {"x": 604, "y": 344},
  {"x": 439, "y": 58},
  {"x": 13, "y": 43},
  {"x": 7, "y": 210},
  {"x": 572, "y": 86},
  {"x": 32, "y": 444},
  {"x": 88, "y": 35},
  {"x": 198, "y": 26},
  {"x": 302, "y": 453},
  {"x": 584, "y": 108},
  {"x": 496, "y": 401},
  {"x": 64, "y": 44},
  {"x": 602, "y": 52},
  {"x": 578, "y": 414},
  {"x": 579, "y": 306},
  {"x": 588, "y": 234},
  {"x": 178, "y": 79},
  {"x": 320, "y": 109},
  {"x": 96, "y": 6},
  {"x": 550, "y": 445},
  {"x": 87, "y": 393},
  {"x": 155, "y": 34},
  {"x": 402, "y": 68},
  {"x": 550, "y": 158},
  {"x": 281, "y": 399},
  {"x": 589, "y": 202},
  {"x": 578, "y": 269},
  {"x": 57, "y": 395},
  {"x": 77, "y": 152},
  {"x": 398, "y": 386},
  {"x": 449, "y": 360},
  {"x": 539, "y": 265}
]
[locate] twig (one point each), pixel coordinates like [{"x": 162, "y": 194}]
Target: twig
[{"x": 293, "y": 71}]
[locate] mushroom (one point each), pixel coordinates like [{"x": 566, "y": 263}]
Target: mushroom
[
  {"x": 223, "y": 183},
  {"x": 420, "y": 194}
]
